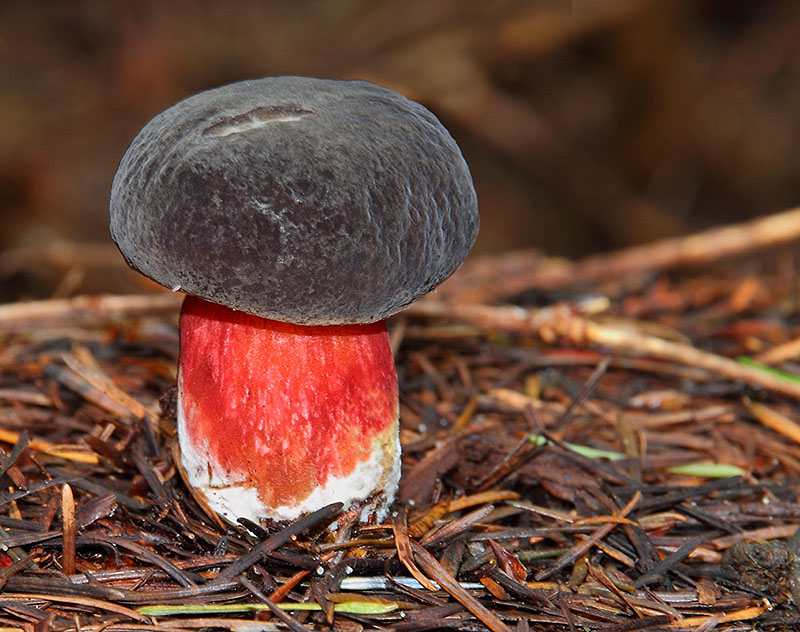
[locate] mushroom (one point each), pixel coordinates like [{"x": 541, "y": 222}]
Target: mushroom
[{"x": 297, "y": 214}]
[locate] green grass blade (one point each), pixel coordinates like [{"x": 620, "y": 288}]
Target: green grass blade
[
  {"x": 350, "y": 607},
  {"x": 592, "y": 453},
  {"x": 783, "y": 375},
  {"x": 707, "y": 470}
]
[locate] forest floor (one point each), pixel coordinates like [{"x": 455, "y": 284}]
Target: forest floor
[{"x": 608, "y": 444}]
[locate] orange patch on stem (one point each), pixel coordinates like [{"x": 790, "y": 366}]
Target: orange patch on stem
[{"x": 282, "y": 408}]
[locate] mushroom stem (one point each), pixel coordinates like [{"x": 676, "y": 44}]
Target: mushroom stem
[{"x": 276, "y": 419}]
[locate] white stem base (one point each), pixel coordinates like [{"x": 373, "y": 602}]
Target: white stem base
[{"x": 373, "y": 482}]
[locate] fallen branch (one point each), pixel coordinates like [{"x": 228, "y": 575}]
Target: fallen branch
[
  {"x": 105, "y": 305},
  {"x": 559, "y": 324},
  {"x": 499, "y": 277}
]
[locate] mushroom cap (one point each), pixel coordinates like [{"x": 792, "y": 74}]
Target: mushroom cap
[{"x": 303, "y": 200}]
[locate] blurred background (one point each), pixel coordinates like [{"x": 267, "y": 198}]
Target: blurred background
[{"x": 588, "y": 125}]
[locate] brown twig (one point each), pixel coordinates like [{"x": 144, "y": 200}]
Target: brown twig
[
  {"x": 522, "y": 273},
  {"x": 273, "y": 542},
  {"x": 103, "y": 306},
  {"x": 560, "y": 324},
  {"x": 74, "y": 600}
]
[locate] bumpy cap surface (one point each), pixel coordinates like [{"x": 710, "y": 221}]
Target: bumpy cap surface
[{"x": 302, "y": 200}]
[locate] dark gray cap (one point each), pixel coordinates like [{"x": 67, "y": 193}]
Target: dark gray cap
[{"x": 302, "y": 200}]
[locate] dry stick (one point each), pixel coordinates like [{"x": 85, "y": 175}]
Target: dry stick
[
  {"x": 660, "y": 569},
  {"x": 703, "y": 247},
  {"x": 77, "y": 601},
  {"x": 68, "y": 530},
  {"x": 438, "y": 574},
  {"x": 89, "y": 306},
  {"x": 143, "y": 553},
  {"x": 7, "y": 497},
  {"x": 583, "y": 395},
  {"x": 19, "y": 445},
  {"x": 265, "y": 547},
  {"x": 456, "y": 527},
  {"x": 559, "y": 323}
]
